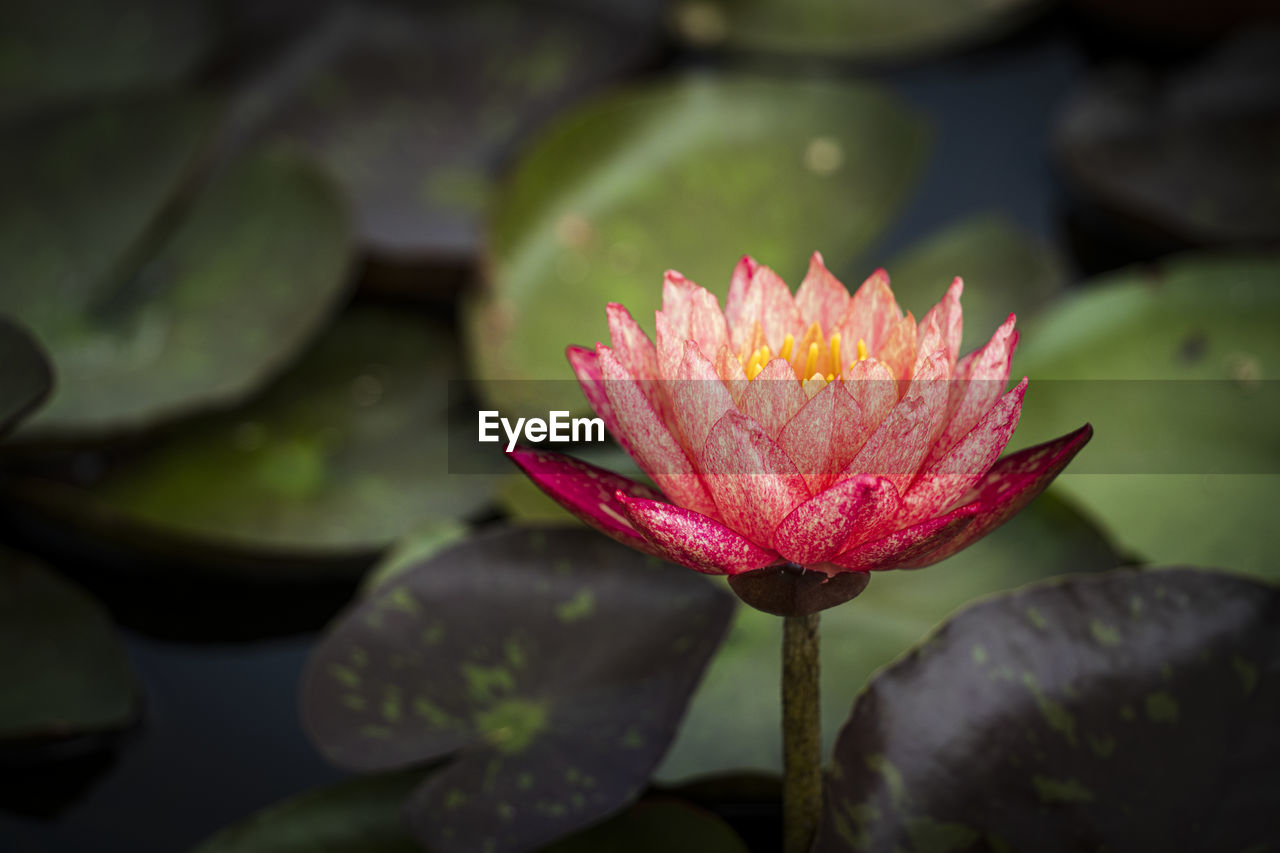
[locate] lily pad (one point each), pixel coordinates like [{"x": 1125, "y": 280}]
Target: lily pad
[
  {"x": 1191, "y": 155},
  {"x": 25, "y": 375},
  {"x": 689, "y": 173},
  {"x": 415, "y": 111},
  {"x": 340, "y": 458},
  {"x": 140, "y": 337},
  {"x": 863, "y": 29},
  {"x": 81, "y": 49},
  {"x": 365, "y": 815},
  {"x": 1004, "y": 269},
  {"x": 1175, "y": 367},
  {"x": 1124, "y": 711},
  {"x": 734, "y": 718},
  {"x": 63, "y": 667},
  {"x": 552, "y": 665}
]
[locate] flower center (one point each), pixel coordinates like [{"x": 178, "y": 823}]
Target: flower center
[{"x": 817, "y": 357}]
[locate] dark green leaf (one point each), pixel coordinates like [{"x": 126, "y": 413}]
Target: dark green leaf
[
  {"x": 1185, "y": 468},
  {"x": 63, "y": 670},
  {"x": 734, "y": 718},
  {"x": 25, "y": 375},
  {"x": 553, "y": 664},
  {"x": 690, "y": 174},
  {"x": 1125, "y": 711},
  {"x": 845, "y": 28},
  {"x": 412, "y": 115},
  {"x": 1190, "y": 155},
  {"x": 76, "y": 49},
  {"x": 344, "y": 455},
  {"x": 1005, "y": 271}
]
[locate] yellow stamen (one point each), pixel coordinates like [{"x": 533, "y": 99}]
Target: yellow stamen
[
  {"x": 755, "y": 369},
  {"x": 765, "y": 355},
  {"x": 835, "y": 351},
  {"x": 811, "y": 362},
  {"x": 787, "y": 343},
  {"x": 862, "y": 350}
]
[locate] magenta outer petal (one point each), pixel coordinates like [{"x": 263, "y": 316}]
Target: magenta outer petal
[
  {"x": 1007, "y": 488},
  {"x": 819, "y": 528},
  {"x": 586, "y": 366},
  {"x": 901, "y": 547},
  {"x": 588, "y": 492},
  {"x": 691, "y": 539}
]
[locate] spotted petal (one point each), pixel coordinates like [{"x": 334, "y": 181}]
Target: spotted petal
[
  {"x": 691, "y": 539},
  {"x": 820, "y": 528},
  {"x": 901, "y": 547}
]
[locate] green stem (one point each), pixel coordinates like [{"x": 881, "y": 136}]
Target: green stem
[{"x": 801, "y": 733}]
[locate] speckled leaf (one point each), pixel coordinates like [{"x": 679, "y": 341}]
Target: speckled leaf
[
  {"x": 551, "y": 664},
  {"x": 343, "y": 455},
  {"x": 418, "y": 545},
  {"x": 25, "y": 375},
  {"x": 264, "y": 252},
  {"x": 734, "y": 717},
  {"x": 415, "y": 110},
  {"x": 63, "y": 671},
  {"x": 688, "y": 173},
  {"x": 1205, "y": 327},
  {"x": 879, "y": 29},
  {"x": 1124, "y": 711},
  {"x": 1004, "y": 271},
  {"x": 78, "y": 49},
  {"x": 1192, "y": 155}
]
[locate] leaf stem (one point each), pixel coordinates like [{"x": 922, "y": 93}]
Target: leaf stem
[{"x": 801, "y": 733}]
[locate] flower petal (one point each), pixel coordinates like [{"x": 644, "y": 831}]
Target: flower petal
[
  {"x": 731, "y": 373},
  {"x": 948, "y": 318},
  {"x": 901, "y": 547},
  {"x": 586, "y": 366},
  {"x": 588, "y": 492},
  {"x": 819, "y": 528},
  {"x": 753, "y": 482},
  {"x": 736, "y": 302},
  {"x": 1009, "y": 486},
  {"x": 768, "y": 301},
  {"x": 698, "y": 397},
  {"x": 979, "y": 380},
  {"x": 692, "y": 539},
  {"x": 648, "y": 440},
  {"x": 773, "y": 397},
  {"x": 899, "y": 351},
  {"x": 630, "y": 343},
  {"x": 821, "y": 298},
  {"x": 941, "y": 482},
  {"x": 871, "y": 313}
]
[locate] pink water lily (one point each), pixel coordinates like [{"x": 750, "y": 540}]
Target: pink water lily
[{"x": 807, "y": 438}]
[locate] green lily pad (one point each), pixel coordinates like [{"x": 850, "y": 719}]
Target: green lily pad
[
  {"x": 63, "y": 667},
  {"x": 864, "y": 29},
  {"x": 1191, "y": 155},
  {"x": 1004, "y": 270},
  {"x": 687, "y": 173},
  {"x": 365, "y": 815},
  {"x": 552, "y": 665},
  {"x": 1125, "y": 711},
  {"x": 79, "y": 49},
  {"x": 415, "y": 111},
  {"x": 138, "y": 325},
  {"x": 25, "y": 375},
  {"x": 340, "y": 458},
  {"x": 1175, "y": 366},
  {"x": 734, "y": 718}
]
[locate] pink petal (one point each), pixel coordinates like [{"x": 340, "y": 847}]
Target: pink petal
[
  {"x": 692, "y": 313},
  {"x": 941, "y": 482},
  {"x": 707, "y": 325},
  {"x": 871, "y": 313},
  {"x": 586, "y": 366},
  {"x": 648, "y": 440},
  {"x": 821, "y": 298},
  {"x": 753, "y": 482},
  {"x": 1007, "y": 488},
  {"x": 980, "y": 379},
  {"x": 630, "y": 344},
  {"x": 899, "y": 351},
  {"x": 773, "y": 397},
  {"x": 901, "y": 547},
  {"x": 698, "y": 397},
  {"x": 767, "y": 301},
  {"x": 677, "y": 301},
  {"x": 670, "y": 344},
  {"x": 731, "y": 373},
  {"x": 588, "y": 492},
  {"x": 819, "y": 528},
  {"x": 899, "y": 445},
  {"x": 691, "y": 539},
  {"x": 735, "y": 302},
  {"x": 947, "y": 317},
  {"x": 806, "y": 438}
]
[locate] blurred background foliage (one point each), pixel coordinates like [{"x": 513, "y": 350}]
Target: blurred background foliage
[{"x": 253, "y": 255}]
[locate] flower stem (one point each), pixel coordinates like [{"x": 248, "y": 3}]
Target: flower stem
[{"x": 801, "y": 733}]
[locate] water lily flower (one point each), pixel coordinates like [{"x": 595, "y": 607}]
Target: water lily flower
[{"x": 801, "y": 441}]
